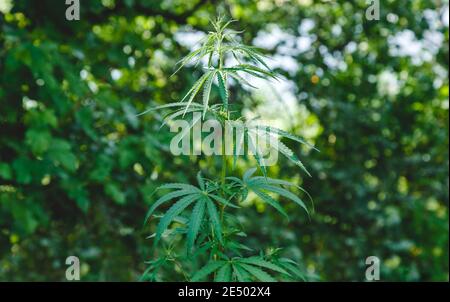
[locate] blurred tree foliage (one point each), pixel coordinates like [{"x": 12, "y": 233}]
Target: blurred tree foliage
[{"x": 77, "y": 166}]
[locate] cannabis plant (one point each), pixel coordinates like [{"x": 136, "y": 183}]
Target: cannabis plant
[{"x": 201, "y": 216}]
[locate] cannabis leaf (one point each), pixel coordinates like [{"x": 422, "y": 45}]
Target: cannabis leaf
[
  {"x": 240, "y": 269},
  {"x": 204, "y": 197},
  {"x": 272, "y": 136},
  {"x": 262, "y": 186},
  {"x": 215, "y": 46}
]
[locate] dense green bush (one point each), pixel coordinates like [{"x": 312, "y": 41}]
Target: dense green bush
[{"x": 77, "y": 167}]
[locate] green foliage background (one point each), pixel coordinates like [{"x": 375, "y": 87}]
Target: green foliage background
[{"x": 77, "y": 167}]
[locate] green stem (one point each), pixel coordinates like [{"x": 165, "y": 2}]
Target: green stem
[
  {"x": 224, "y": 165},
  {"x": 224, "y": 158},
  {"x": 223, "y": 174},
  {"x": 180, "y": 267}
]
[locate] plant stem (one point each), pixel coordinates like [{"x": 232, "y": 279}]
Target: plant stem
[
  {"x": 224, "y": 158},
  {"x": 224, "y": 165},
  {"x": 223, "y": 176}
]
